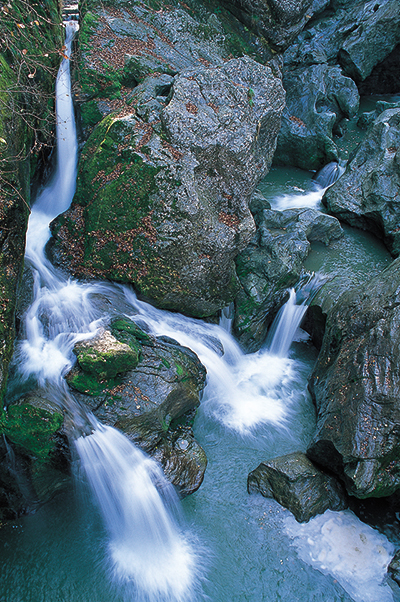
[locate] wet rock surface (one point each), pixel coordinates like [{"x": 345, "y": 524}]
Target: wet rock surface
[
  {"x": 335, "y": 53},
  {"x": 272, "y": 262},
  {"x": 279, "y": 22},
  {"x": 368, "y": 194},
  {"x": 356, "y": 388},
  {"x": 34, "y": 455},
  {"x": 298, "y": 485},
  {"x": 153, "y": 403},
  {"x": 171, "y": 210}
]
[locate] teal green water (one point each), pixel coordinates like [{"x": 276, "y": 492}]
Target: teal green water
[{"x": 245, "y": 555}]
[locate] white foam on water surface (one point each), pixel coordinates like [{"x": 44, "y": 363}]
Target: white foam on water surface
[{"x": 353, "y": 553}]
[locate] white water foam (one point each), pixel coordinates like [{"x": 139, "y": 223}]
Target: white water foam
[
  {"x": 310, "y": 199},
  {"x": 242, "y": 390},
  {"x": 138, "y": 504},
  {"x": 147, "y": 550},
  {"x": 340, "y": 545}
]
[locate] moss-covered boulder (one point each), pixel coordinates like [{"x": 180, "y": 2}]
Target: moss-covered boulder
[
  {"x": 34, "y": 454},
  {"x": 121, "y": 43},
  {"x": 105, "y": 357},
  {"x": 153, "y": 402},
  {"x": 163, "y": 204}
]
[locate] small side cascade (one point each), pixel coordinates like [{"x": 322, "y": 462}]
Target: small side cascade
[
  {"x": 288, "y": 319},
  {"x": 328, "y": 175}
]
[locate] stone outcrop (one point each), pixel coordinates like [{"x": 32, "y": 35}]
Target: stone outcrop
[
  {"x": 323, "y": 66},
  {"x": 318, "y": 98},
  {"x": 278, "y": 21},
  {"x": 149, "y": 389},
  {"x": 164, "y": 206},
  {"x": 272, "y": 262},
  {"x": 368, "y": 194},
  {"x": 297, "y": 484},
  {"x": 355, "y": 386}
]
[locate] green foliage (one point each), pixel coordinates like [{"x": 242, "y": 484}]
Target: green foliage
[{"x": 30, "y": 48}]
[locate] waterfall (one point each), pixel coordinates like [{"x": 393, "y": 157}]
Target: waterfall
[
  {"x": 148, "y": 552},
  {"x": 328, "y": 175},
  {"x": 311, "y": 197},
  {"x": 289, "y": 318}
]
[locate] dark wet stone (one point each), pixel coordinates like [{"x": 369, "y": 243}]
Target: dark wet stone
[{"x": 297, "y": 484}]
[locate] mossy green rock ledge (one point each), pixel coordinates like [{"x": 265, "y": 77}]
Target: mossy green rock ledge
[{"x": 34, "y": 455}]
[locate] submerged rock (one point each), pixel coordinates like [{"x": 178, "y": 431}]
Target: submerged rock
[
  {"x": 298, "y": 485},
  {"x": 367, "y": 196},
  {"x": 152, "y": 402},
  {"x": 273, "y": 262},
  {"x": 355, "y": 387}
]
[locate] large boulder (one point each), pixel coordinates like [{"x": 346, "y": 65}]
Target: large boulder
[
  {"x": 356, "y": 388},
  {"x": 119, "y": 46},
  {"x": 367, "y": 196},
  {"x": 298, "y": 485},
  {"x": 272, "y": 262},
  {"x": 317, "y": 99},
  {"x": 166, "y": 208},
  {"x": 149, "y": 389}
]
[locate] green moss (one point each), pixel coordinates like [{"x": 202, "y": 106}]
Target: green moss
[
  {"x": 128, "y": 326},
  {"x": 85, "y": 383},
  {"x": 31, "y": 38},
  {"x": 107, "y": 364},
  {"x": 31, "y": 428},
  {"x": 90, "y": 114}
]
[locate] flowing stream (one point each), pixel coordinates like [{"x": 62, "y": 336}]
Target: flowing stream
[{"x": 129, "y": 539}]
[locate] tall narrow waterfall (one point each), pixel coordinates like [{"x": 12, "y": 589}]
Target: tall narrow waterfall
[{"x": 148, "y": 552}]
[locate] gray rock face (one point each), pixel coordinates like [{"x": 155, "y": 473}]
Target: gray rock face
[
  {"x": 358, "y": 36},
  {"x": 321, "y": 69},
  {"x": 367, "y": 196},
  {"x": 297, "y": 484},
  {"x": 355, "y": 386},
  {"x": 279, "y": 21},
  {"x": 171, "y": 199},
  {"x": 152, "y": 402},
  {"x": 273, "y": 262},
  {"x": 394, "y": 568},
  {"x": 317, "y": 99}
]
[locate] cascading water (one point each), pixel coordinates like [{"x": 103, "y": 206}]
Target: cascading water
[
  {"x": 287, "y": 321},
  {"x": 310, "y": 196},
  {"x": 148, "y": 552},
  {"x": 149, "y": 557}
]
